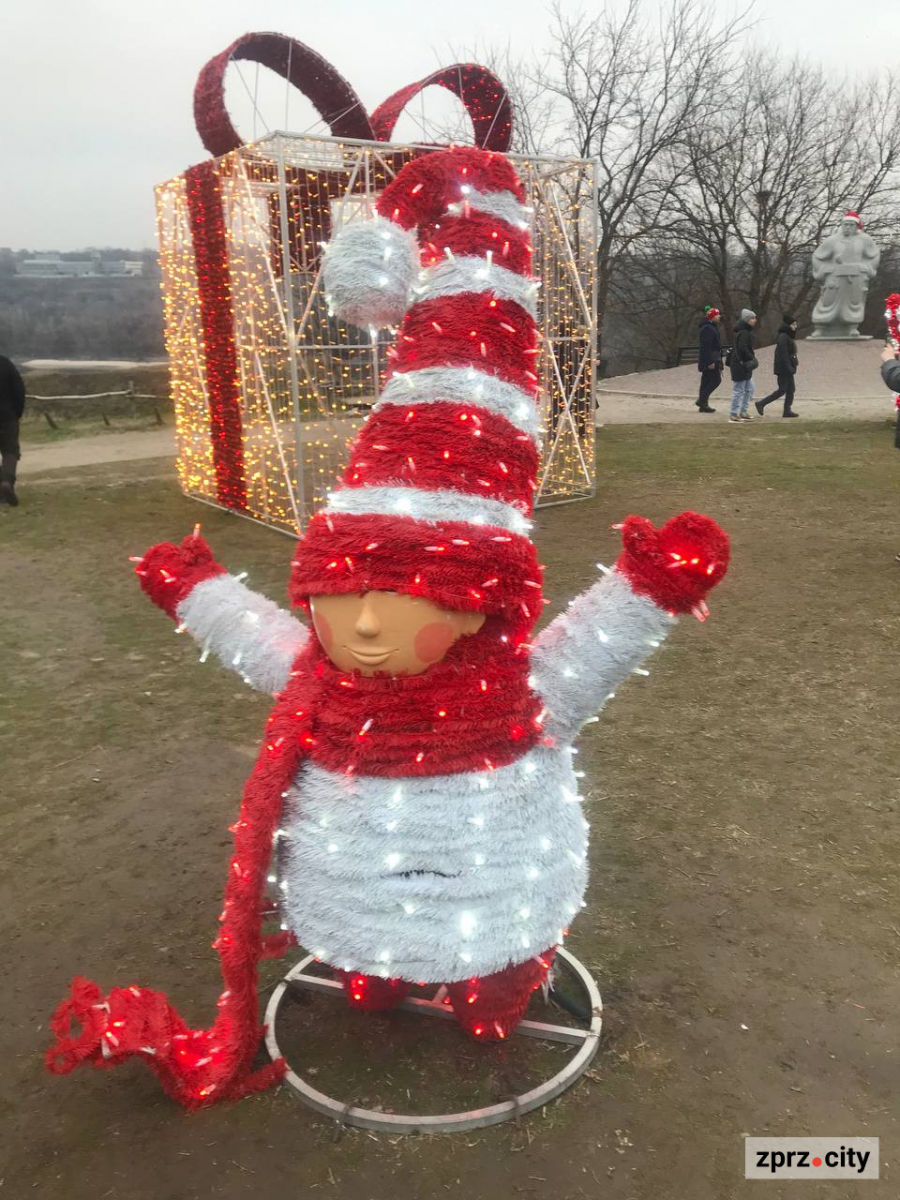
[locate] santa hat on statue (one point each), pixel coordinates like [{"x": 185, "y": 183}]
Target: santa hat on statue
[
  {"x": 853, "y": 216},
  {"x": 440, "y": 484}
]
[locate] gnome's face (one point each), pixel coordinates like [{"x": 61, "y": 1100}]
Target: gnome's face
[{"x": 387, "y": 631}]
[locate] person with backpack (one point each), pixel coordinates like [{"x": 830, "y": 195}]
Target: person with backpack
[
  {"x": 785, "y": 368},
  {"x": 709, "y": 360},
  {"x": 12, "y": 405},
  {"x": 742, "y": 361}
]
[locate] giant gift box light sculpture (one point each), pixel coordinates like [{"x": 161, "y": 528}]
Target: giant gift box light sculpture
[
  {"x": 415, "y": 782},
  {"x": 269, "y": 386}
]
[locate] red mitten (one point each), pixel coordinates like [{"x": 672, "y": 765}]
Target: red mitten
[
  {"x": 676, "y": 565},
  {"x": 167, "y": 573}
]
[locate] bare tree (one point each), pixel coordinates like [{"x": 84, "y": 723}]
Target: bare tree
[
  {"x": 767, "y": 170},
  {"x": 628, "y": 89}
]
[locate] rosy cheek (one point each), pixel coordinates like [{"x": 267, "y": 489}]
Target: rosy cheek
[
  {"x": 433, "y": 641},
  {"x": 323, "y": 631}
]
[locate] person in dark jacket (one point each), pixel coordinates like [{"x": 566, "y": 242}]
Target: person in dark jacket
[
  {"x": 786, "y": 362},
  {"x": 743, "y": 363},
  {"x": 12, "y": 405},
  {"x": 709, "y": 360},
  {"x": 890, "y": 369}
]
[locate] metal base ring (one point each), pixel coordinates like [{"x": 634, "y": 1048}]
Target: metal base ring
[{"x": 587, "y": 1041}]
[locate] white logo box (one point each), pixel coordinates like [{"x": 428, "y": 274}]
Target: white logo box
[{"x": 812, "y": 1158}]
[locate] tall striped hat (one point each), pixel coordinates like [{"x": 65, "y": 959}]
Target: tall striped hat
[{"x": 436, "y": 497}]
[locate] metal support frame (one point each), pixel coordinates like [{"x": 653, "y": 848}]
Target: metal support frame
[{"x": 587, "y": 1042}]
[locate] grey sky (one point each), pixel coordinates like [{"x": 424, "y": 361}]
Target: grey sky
[{"x": 95, "y": 95}]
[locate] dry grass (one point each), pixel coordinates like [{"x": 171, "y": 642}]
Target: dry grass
[{"x": 742, "y": 919}]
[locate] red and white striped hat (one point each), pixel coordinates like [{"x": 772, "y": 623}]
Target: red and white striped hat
[{"x": 440, "y": 484}]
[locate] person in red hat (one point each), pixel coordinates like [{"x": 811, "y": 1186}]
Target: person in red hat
[
  {"x": 709, "y": 359},
  {"x": 415, "y": 785}
]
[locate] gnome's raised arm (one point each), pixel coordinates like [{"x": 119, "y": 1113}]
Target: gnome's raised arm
[
  {"x": 608, "y": 631},
  {"x": 243, "y": 629}
]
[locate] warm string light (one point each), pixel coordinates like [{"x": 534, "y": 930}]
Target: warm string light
[{"x": 303, "y": 378}]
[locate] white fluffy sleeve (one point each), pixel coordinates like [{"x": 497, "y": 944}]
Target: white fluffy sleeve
[
  {"x": 249, "y": 633},
  {"x": 580, "y": 658}
]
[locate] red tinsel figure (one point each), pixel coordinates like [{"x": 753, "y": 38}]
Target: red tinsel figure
[
  {"x": 892, "y": 316},
  {"x": 425, "y": 818}
]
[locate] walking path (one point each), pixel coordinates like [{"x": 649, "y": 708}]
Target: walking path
[{"x": 836, "y": 381}]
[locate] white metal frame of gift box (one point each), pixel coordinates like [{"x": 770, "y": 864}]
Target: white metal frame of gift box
[{"x": 304, "y": 380}]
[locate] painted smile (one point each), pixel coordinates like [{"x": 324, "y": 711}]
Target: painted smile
[{"x": 370, "y": 656}]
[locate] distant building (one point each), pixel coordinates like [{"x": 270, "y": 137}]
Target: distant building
[{"x": 54, "y": 266}]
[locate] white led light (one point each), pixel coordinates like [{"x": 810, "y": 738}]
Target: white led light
[
  {"x": 392, "y": 860},
  {"x": 467, "y": 923}
]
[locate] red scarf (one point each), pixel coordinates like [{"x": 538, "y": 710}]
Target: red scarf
[{"x": 472, "y": 711}]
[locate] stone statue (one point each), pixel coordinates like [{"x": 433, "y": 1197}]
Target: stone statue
[{"x": 843, "y": 265}]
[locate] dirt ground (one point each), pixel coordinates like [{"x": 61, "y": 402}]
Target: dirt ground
[{"x": 743, "y": 920}]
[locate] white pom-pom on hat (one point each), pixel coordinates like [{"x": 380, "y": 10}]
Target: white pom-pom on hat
[{"x": 368, "y": 271}]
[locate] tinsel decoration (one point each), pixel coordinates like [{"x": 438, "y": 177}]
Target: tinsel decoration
[
  {"x": 892, "y": 316},
  {"x": 204, "y": 197}
]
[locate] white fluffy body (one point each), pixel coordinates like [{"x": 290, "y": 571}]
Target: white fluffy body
[
  {"x": 437, "y": 878},
  {"x": 247, "y": 632},
  {"x": 368, "y": 270},
  {"x": 582, "y": 655},
  {"x": 440, "y": 504},
  {"x": 471, "y": 274},
  {"x": 463, "y": 385}
]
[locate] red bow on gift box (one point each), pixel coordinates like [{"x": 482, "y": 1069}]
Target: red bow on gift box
[{"x": 310, "y": 193}]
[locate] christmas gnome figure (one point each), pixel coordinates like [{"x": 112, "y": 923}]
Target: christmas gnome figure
[{"x": 415, "y": 783}]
